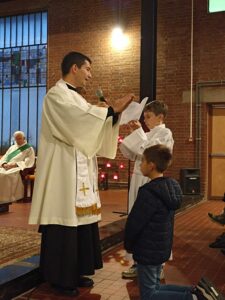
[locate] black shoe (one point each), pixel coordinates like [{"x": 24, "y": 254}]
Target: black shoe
[
  {"x": 221, "y": 237},
  {"x": 209, "y": 290},
  {"x": 201, "y": 294},
  {"x": 218, "y": 244},
  {"x": 220, "y": 219},
  {"x": 71, "y": 292},
  {"x": 130, "y": 273},
  {"x": 85, "y": 282},
  {"x": 223, "y": 251}
]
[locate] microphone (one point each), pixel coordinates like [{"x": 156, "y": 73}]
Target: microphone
[{"x": 100, "y": 95}]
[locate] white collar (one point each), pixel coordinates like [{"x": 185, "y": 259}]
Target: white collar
[{"x": 158, "y": 126}]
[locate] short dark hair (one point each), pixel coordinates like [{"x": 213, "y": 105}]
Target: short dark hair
[
  {"x": 160, "y": 155},
  {"x": 73, "y": 58},
  {"x": 157, "y": 107}
]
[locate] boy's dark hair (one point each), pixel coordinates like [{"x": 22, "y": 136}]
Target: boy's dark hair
[
  {"x": 73, "y": 58},
  {"x": 160, "y": 155},
  {"x": 157, "y": 107}
]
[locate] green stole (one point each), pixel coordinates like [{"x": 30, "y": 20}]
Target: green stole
[{"x": 16, "y": 152}]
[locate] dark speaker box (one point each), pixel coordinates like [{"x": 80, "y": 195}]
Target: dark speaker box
[{"x": 190, "y": 181}]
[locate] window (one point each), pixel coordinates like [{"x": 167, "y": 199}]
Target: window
[
  {"x": 216, "y": 5},
  {"x": 23, "y": 75}
]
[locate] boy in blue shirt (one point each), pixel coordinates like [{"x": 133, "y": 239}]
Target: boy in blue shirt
[{"x": 149, "y": 229}]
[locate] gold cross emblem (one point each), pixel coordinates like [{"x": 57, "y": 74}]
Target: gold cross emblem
[{"x": 83, "y": 189}]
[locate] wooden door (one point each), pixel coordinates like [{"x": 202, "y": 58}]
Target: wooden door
[{"x": 216, "y": 147}]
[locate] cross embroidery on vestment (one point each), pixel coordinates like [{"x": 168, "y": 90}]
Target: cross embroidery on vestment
[{"x": 83, "y": 189}]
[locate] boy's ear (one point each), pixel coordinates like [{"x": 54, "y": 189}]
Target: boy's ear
[
  {"x": 161, "y": 117},
  {"x": 152, "y": 165}
]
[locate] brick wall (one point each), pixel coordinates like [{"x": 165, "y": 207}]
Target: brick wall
[
  {"x": 173, "y": 71},
  {"x": 85, "y": 26}
]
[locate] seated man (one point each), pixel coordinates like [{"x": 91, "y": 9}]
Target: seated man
[{"x": 17, "y": 158}]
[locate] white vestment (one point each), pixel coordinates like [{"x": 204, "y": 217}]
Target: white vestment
[
  {"x": 133, "y": 147},
  {"x": 11, "y": 185},
  {"x": 72, "y": 133}
]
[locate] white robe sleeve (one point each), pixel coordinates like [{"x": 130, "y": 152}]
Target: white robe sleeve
[
  {"x": 77, "y": 123},
  {"x": 29, "y": 160},
  {"x": 109, "y": 140},
  {"x": 3, "y": 159},
  {"x": 134, "y": 144}
]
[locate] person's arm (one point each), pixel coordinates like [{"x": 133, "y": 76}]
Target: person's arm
[
  {"x": 3, "y": 159},
  {"x": 29, "y": 160},
  {"x": 141, "y": 213},
  {"x": 111, "y": 113},
  {"x": 134, "y": 144},
  {"x": 79, "y": 124},
  {"x": 117, "y": 106}
]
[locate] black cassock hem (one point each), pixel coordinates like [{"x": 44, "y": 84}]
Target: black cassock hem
[{"x": 69, "y": 252}]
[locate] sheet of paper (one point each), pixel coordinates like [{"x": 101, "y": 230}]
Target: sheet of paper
[{"x": 133, "y": 111}]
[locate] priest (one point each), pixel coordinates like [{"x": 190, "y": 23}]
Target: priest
[
  {"x": 65, "y": 201},
  {"x": 18, "y": 157}
]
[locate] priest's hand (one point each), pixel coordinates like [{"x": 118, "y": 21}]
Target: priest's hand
[
  {"x": 120, "y": 104},
  {"x": 102, "y": 104}
]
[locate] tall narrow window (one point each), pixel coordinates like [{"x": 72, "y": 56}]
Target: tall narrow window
[{"x": 23, "y": 75}]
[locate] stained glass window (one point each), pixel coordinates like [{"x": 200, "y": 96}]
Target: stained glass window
[{"x": 23, "y": 75}]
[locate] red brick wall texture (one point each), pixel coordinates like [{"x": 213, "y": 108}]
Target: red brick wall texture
[{"x": 86, "y": 26}]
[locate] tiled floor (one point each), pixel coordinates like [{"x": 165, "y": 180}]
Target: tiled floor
[{"x": 192, "y": 259}]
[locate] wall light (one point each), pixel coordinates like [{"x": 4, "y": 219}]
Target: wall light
[
  {"x": 115, "y": 176},
  {"x": 120, "y": 139},
  {"x": 120, "y": 41}
]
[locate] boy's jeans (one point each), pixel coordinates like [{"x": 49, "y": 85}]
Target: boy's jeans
[{"x": 151, "y": 289}]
